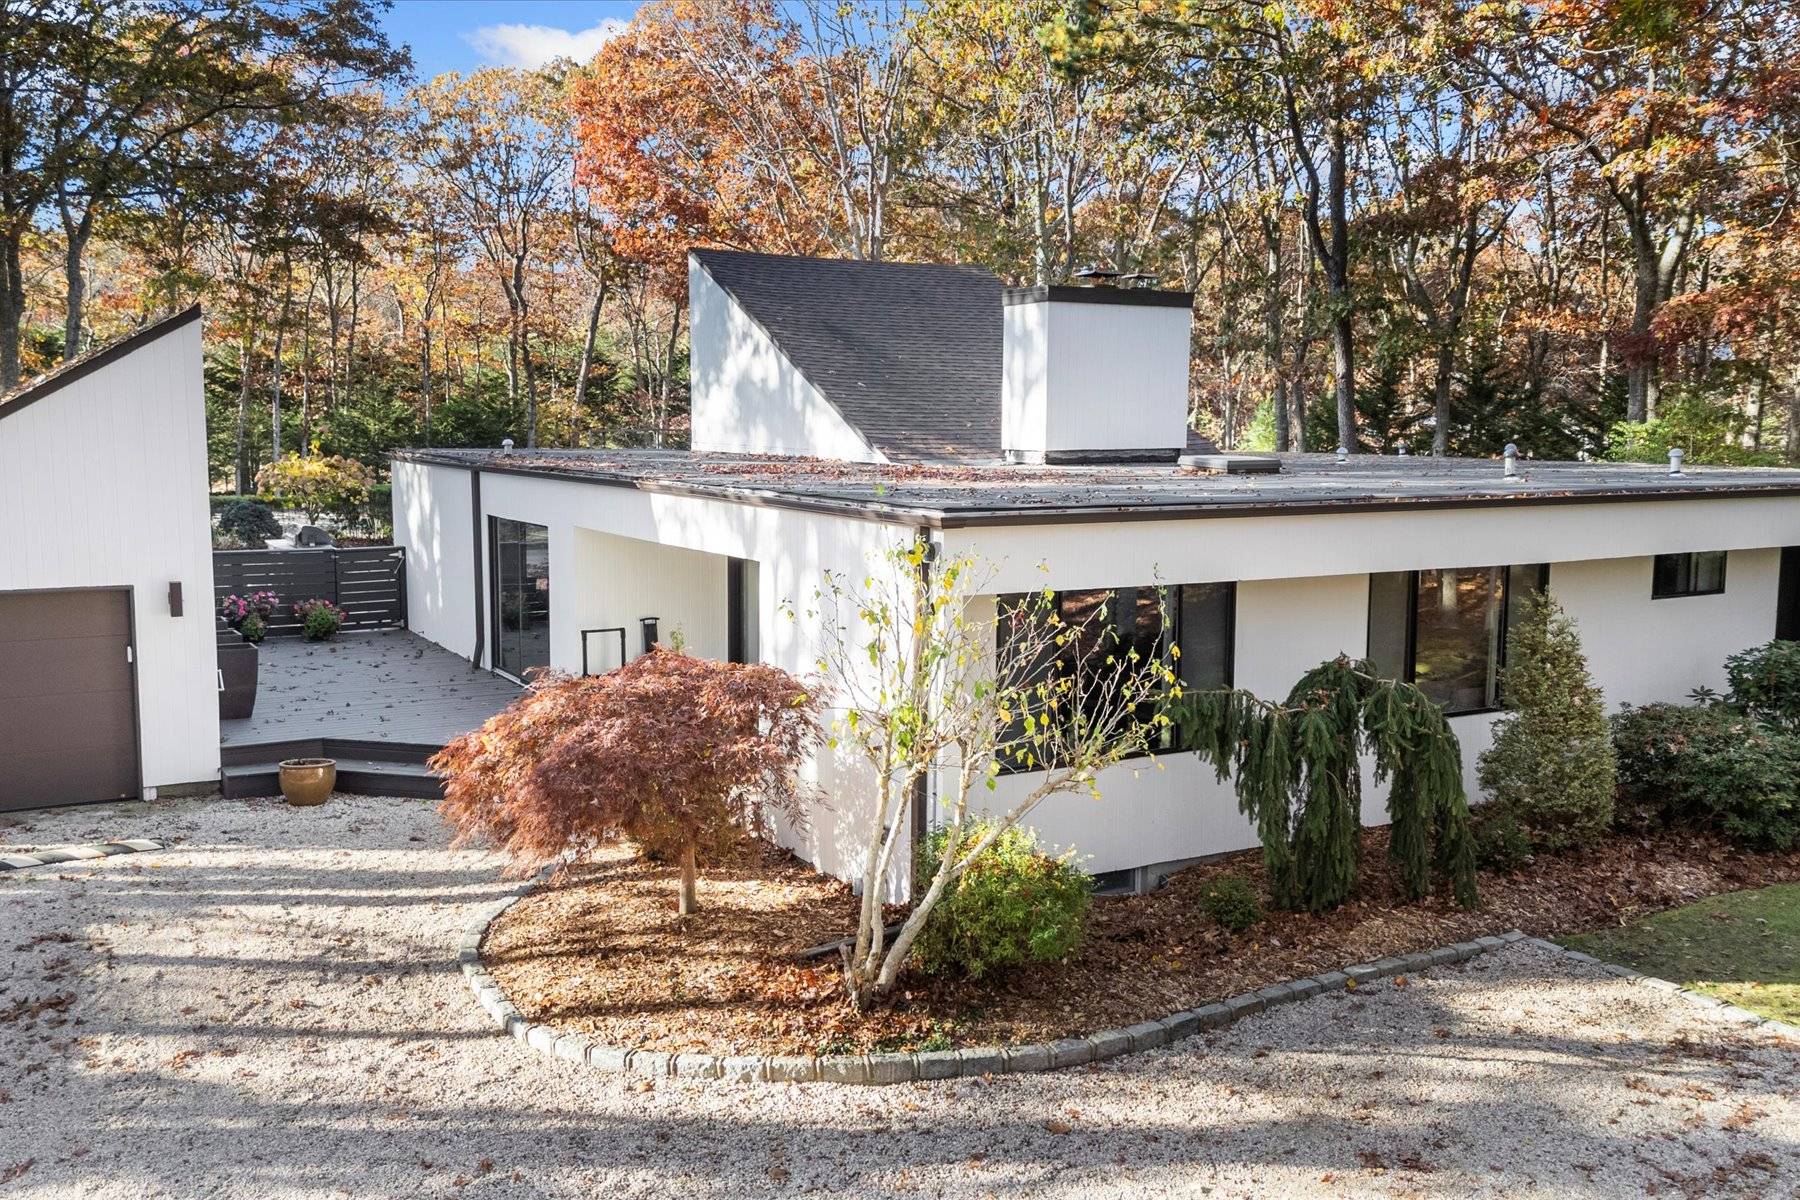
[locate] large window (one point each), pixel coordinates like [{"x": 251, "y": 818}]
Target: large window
[
  {"x": 1200, "y": 618},
  {"x": 1445, "y": 630},
  {"x": 521, "y": 574},
  {"x": 1698, "y": 574}
]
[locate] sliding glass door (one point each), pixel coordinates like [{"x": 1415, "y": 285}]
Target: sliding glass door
[{"x": 521, "y": 572}]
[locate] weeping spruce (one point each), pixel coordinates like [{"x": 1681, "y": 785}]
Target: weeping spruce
[{"x": 1298, "y": 773}]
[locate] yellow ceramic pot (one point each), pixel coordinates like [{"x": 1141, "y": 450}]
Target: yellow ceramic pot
[{"x": 308, "y": 781}]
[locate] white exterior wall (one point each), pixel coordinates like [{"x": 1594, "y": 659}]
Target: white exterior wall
[
  {"x": 747, "y": 397},
  {"x": 617, "y": 581},
  {"x": 1639, "y": 649},
  {"x": 432, "y": 520},
  {"x": 614, "y": 551},
  {"x": 620, "y": 552},
  {"x": 104, "y": 484},
  {"x": 1093, "y": 376}
]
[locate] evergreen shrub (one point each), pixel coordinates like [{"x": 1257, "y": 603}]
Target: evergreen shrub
[
  {"x": 1015, "y": 904},
  {"x": 1552, "y": 766},
  {"x": 1710, "y": 765},
  {"x": 1232, "y": 902},
  {"x": 1765, "y": 682}
]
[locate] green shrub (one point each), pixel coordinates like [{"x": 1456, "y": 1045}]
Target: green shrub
[
  {"x": 1232, "y": 902},
  {"x": 1552, "y": 766},
  {"x": 1765, "y": 682},
  {"x": 319, "y": 619},
  {"x": 1501, "y": 843},
  {"x": 1014, "y": 905},
  {"x": 249, "y": 522},
  {"x": 1711, "y": 765}
]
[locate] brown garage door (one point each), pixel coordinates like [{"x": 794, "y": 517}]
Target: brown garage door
[{"x": 68, "y": 715}]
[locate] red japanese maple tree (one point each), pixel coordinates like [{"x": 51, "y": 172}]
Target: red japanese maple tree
[{"x": 675, "y": 753}]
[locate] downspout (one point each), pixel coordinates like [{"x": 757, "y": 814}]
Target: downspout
[
  {"x": 921, "y": 797},
  {"x": 475, "y": 563}
]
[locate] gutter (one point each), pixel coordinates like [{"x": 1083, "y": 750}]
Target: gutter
[{"x": 940, "y": 518}]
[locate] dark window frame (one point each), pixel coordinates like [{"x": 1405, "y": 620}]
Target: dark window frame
[
  {"x": 1409, "y": 673},
  {"x": 1169, "y": 635},
  {"x": 495, "y": 615},
  {"x": 1659, "y": 592}
]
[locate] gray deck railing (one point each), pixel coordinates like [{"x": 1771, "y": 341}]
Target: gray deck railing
[{"x": 368, "y": 582}]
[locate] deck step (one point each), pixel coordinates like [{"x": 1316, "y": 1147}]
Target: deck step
[{"x": 355, "y": 776}]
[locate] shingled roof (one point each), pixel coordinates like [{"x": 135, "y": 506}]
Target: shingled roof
[{"x": 909, "y": 353}]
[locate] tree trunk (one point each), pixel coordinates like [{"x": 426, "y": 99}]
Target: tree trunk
[
  {"x": 1343, "y": 329},
  {"x": 1440, "y": 396},
  {"x": 74, "y": 282},
  {"x": 1272, "y": 326},
  {"x": 688, "y": 901},
  {"x": 587, "y": 351},
  {"x": 12, "y": 309},
  {"x": 245, "y": 347}
]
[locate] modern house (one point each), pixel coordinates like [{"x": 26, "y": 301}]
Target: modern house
[
  {"x": 108, "y": 672},
  {"x": 843, "y": 408}
]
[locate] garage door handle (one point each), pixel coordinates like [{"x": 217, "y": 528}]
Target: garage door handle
[{"x": 221, "y": 672}]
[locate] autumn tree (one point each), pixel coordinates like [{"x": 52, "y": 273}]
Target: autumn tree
[
  {"x": 96, "y": 100},
  {"x": 500, "y": 139},
  {"x": 1661, "y": 100},
  {"x": 678, "y": 754},
  {"x": 931, "y": 678}
]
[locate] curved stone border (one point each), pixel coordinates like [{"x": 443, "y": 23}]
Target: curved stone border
[
  {"x": 925, "y": 1065},
  {"x": 45, "y": 858},
  {"x": 1721, "y": 1009}
]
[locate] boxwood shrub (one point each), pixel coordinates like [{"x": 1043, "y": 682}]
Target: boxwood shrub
[{"x": 1014, "y": 905}]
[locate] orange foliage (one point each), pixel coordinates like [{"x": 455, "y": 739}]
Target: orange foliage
[{"x": 674, "y": 752}]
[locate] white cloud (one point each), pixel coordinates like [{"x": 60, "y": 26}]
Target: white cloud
[{"x": 532, "y": 46}]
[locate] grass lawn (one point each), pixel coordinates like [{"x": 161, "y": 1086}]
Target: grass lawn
[{"x": 1743, "y": 947}]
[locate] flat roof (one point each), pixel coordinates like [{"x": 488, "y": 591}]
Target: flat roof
[{"x": 1003, "y": 494}]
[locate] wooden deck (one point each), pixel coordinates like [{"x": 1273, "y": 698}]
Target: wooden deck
[{"x": 389, "y": 687}]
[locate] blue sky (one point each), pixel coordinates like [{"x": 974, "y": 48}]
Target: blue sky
[{"x": 462, "y": 35}]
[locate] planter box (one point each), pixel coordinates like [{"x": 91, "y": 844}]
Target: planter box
[{"x": 237, "y": 676}]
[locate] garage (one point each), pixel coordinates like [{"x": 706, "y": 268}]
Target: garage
[
  {"x": 108, "y": 662},
  {"x": 67, "y": 698}
]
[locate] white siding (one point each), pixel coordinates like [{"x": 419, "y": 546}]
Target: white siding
[
  {"x": 747, "y": 396},
  {"x": 1639, "y": 649},
  {"x": 617, "y": 581},
  {"x": 432, "y": 520},
  {"x": 620, "y": 552},
  {"x": 1094, "y": 376},
  {"x": 104, "y": 484}
]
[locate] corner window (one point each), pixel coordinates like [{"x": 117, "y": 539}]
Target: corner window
[
  {"x": 1199, "y": 618},
  {"x": 1444, "y": 631},
  {"x": 1698, "y": 574}
]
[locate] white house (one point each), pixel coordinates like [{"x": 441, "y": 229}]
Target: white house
[
  {"x": 841, "y": 408},
  {"x": 108, "y": 666}
]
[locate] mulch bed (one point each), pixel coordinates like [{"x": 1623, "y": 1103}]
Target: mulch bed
[{"x": 600, "y": 950}]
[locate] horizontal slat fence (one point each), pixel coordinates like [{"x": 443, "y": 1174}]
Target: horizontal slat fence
[{"x": 368, "y": 582}]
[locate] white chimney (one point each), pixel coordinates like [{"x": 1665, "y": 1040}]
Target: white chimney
[{"x": 1094, "y": 374}]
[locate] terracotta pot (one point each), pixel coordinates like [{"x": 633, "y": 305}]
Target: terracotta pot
[{"x": 308, "y": 781}]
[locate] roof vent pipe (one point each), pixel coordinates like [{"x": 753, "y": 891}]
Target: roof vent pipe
[
  {"x": 1675, "y": 457},
  {"x": 1403, "y": 452},
  {"x": 1510, "y": 457},
  {"x": 506, "y": 445},
  {"x": 1343, "y": 455}
]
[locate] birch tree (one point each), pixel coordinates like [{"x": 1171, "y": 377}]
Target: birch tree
[{"x": 930, "y": 681}]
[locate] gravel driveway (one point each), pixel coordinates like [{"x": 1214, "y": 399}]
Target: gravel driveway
[{"x": 272, "y": 1009}]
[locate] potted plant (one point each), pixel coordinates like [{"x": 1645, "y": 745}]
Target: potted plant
[
  {"x": 249, "y": 615},
  {"x": 306, "y": 782},
  {"x": 319, "y": 618}
]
